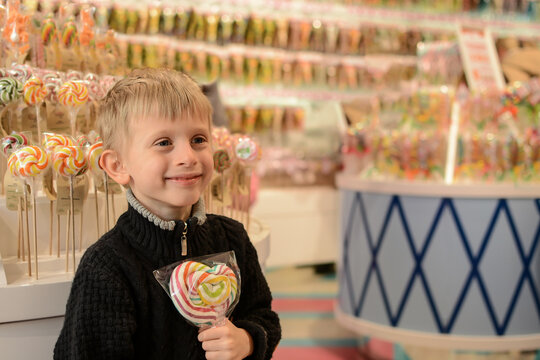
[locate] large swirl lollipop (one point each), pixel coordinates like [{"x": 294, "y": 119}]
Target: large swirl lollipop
[
  {"x": 204, "y": 295},
  {"x": 34, "y": 92},
  {"x": 73, "y": 94},
  {"x": 28, "y": 163},
  {"x": 70, "y": 161}
]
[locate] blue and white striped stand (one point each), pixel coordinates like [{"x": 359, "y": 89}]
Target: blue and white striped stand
[{"x": 454, "y": 268}]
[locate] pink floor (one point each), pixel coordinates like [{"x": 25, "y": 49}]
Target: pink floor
[{"x": 316, "y": 353}]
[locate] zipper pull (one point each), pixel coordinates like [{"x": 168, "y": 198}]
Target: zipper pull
[{"x": 183, "y": 240}]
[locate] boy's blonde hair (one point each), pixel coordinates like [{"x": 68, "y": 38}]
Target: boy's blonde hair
[{"x": 145, "y": 93}]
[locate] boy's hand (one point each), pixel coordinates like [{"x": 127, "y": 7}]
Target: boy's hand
[{"x": 226, "y": 342}]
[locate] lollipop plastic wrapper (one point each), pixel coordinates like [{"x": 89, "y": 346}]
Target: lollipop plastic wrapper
[{"x": 205, "y": 289}]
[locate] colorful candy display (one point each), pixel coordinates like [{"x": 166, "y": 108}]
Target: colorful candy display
[
  {"x": 73, "y": 93},
  {"x": 34, "y": 91},
  {"x": 203, "y": 294},
  {"x": 28, "y": 161},
  {"x": 69, "y": 161}
]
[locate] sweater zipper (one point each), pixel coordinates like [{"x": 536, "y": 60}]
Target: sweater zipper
[{"x": 183, "y": 240}]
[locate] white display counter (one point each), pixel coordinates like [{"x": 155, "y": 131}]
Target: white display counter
[
  {"x": 304, "y": 222},
  {"x": 431, "y": 271},
  {"x": 31, "y": 311}
]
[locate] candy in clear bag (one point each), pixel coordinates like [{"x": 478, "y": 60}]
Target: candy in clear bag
[{"x": 204, "y": 289}]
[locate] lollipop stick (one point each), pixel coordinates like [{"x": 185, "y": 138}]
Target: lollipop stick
[
  {"x": 80, "y": 230},
  {"x": 106, "y": 184},
  {"x": 68, "y": 225},
  {"x": 97, "y": 208},
  {"x": 20, "y": 235},
  {"x": 73, "y": 120},
  {"x": 50, "y": 226},
  {"x": 34, "y": 218},
  {"x": 113, "y": 208},
  {"x": 27, "y": 229},
  {"x": 58, "y": 235},
  {"x": 72, "y": 207},
  {"x": 248, "y": 200},
  {"x": 38, "y": 125}
]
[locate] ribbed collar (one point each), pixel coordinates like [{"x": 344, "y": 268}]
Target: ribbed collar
[
  {"x": 157, "y": 239},
  {"x": 198, "y": 211}
]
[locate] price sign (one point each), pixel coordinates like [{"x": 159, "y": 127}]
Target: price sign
[{"x": 480, "y": 59}]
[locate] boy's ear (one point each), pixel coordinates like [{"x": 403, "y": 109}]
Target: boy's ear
[{"x": 113, "y": 166}]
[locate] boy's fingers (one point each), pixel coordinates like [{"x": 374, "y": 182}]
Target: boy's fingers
[{"x": 209, "y": 334}]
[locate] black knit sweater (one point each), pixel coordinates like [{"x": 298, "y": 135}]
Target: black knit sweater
[{"x": 117, "y": 309}]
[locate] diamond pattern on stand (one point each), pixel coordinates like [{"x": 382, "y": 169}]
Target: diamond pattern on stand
[{"x": 417, "y": 277}]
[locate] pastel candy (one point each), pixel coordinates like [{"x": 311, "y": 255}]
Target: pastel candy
[
  {"x": 73, "y": 93},
  {"x": 246, "y": 149},
  {"x": 94, "y": 153},
  {"x": 28, "y": 161},
  {"x": 203, "y": 294},
  {"x": 69, "y": 161},
  {"x": 12, "y": 142},
  {"x": 34, "y": 91},
  {"x": 10, "y": 90}
]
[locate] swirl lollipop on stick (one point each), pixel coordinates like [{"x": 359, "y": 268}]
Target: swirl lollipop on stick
[
  {"x": 73, "y": 94},
  {"x": 34, "y": 92},
  {"x": 10, "y": 92},
  {"x": 204, "y": 295},
  {"x": 29, "y": 162},
  {"x": 69, "y": 161},
  {"x": 13, "y": 189},
  {"x": 247, "y": 152}
]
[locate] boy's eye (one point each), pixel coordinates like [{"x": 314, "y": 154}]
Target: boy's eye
[
  {"x": 199, "y": 140},
  {"x": 164, "y": 142}
]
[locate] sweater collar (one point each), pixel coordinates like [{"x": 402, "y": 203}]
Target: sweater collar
[{"x": 198, "y": 212}]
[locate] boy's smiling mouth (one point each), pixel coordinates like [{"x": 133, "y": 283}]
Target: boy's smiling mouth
[{"x": 184, "y": 179}]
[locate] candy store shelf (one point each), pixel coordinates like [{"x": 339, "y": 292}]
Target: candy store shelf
[{"x": 427, "y": 188}]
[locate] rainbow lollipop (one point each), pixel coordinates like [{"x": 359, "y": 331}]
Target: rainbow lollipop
[{"x": 203, "y": 294}]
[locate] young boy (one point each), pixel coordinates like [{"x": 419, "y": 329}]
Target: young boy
[{"x": 156, "y": 131}]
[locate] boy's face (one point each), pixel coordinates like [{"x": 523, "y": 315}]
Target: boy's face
[{"x": 169, "y": 164}]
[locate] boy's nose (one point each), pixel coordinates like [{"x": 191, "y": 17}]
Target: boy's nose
[{"x": 185, "y": 155}]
